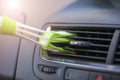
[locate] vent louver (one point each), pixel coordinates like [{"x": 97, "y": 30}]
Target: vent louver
[
  {"x": 117, "y": 54},
  {"x": 97, "y": 52}
]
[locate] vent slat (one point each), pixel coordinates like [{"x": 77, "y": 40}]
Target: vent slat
[
  {"x": 99, "y": 39},
  {"x": 91, "y": 57},
  {"x": 84, "y": 50},
  {"x": 100, "y": 45},
  {"x": 80, "y": 56},
  {"x": 118, "y": 46},
  {"x": 118, "y": 53},
  {"x": 88, "y": 38},
  {"x": 88, "y": 32},
  {"x": 118, "y": 60}
]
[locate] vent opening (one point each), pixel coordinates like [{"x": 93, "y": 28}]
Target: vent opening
[
  {"x": 117, "y": 54},
  {"x": 96, "y": 52}
]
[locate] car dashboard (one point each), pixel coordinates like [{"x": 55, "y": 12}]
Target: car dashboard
[{"x": 93, "y": 21}]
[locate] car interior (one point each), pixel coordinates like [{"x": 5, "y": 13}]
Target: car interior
[{"x": 94, "y": 53}]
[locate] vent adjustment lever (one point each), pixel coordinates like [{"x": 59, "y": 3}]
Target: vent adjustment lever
[{"x": 80, "y": 43}]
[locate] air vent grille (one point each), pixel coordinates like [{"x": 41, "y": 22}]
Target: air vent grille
[
  {"x": 97, "y": 52},
  {"x": 117, "y": 54}
]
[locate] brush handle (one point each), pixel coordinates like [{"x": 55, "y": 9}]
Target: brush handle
[
  {"x": 30, "y": 28},
  {"x": 11, "y": 27},
  {"x": 1, "y": 21}
]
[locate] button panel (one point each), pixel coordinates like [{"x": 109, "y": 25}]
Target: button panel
[
  {"x": 76, "y": 74},
  {"x": 47, "y": 69},
  {"x": 115, "y": 77},
  {"x": 99, "y": 76}
]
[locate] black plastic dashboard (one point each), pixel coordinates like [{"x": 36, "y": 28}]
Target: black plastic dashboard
[
  {"x": 90, "y": 14},
  {"x": 96, "y": 21}
]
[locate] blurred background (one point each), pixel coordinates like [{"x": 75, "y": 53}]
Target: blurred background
[{"x": 35, "y": 10}]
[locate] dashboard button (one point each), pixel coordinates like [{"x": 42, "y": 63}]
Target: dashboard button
[
  {"x": 75, "y": 74},
  {"x": 115, "y": 77},
  {"x": 47, "y": 69},
  {"x": 99, "y": 76}
]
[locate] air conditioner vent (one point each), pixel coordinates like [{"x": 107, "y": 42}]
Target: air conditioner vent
[
  {"x": 117, "y": 54},
  {"x": 97, "y": 52}
]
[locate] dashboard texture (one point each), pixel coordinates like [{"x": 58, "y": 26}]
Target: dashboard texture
[{"x": 94, "y": 21}]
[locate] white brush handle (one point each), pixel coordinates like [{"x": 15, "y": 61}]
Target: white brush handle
[
  {"x": 29, "y": 39},
  {"x": 12, "y": 27},
  {"x": 1, "y": 21},
  {"x": 28, "y": 33},
  {"x": 30, "y": 28}
]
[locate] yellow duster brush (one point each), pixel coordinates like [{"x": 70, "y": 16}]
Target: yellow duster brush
[{"x": 11, "y": 27}]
